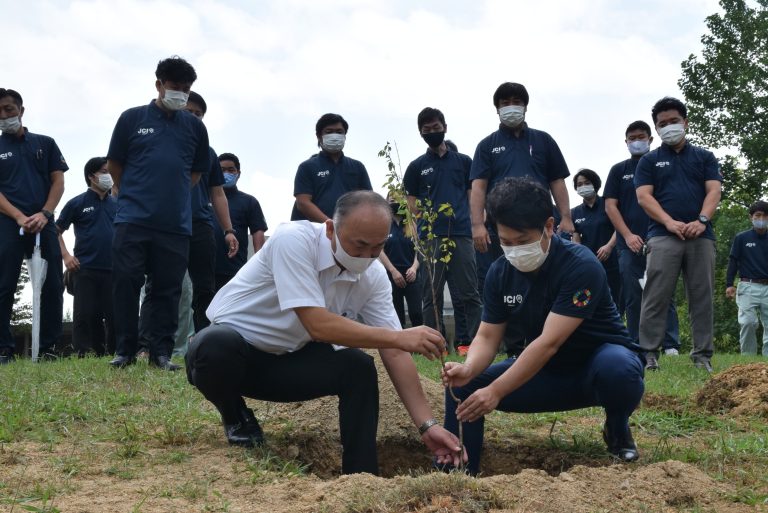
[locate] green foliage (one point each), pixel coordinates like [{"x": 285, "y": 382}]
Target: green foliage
[
  {"x": 21, "y": 316},
  {"x": 429, "y": 246},
  {"x": 726, "y": 90}
]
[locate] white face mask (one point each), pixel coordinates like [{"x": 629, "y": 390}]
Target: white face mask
[
  {"x": 333, "y": 142},
  {"x": 639, "y": 147},
  {"x": 10, "y": 125},
  {"x": 672, "y": 134},
  {"x": 585, "y": 191},
  {"x": 528, "y": 257},
  {"x": 355, "y": 265},
  {"x": 105, "y": 182},
  {"x": 175, "y": 100},
  {"x": 512, "y": 115},
  {"x": 759, "y": 224}
]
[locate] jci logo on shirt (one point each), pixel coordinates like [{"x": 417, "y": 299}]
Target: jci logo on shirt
[
  {"x": 323, "y": 174},
  {"x": 628, "y": 177},
  {"x": 498, "y": 149},
  {"x": 751, "y": 244},
  {"x": 88, "y": 209},
  {"x": 513, "y": 300},
  {"x": 4, "y": 156},
  {"x": 145, "y": 131},
  {"x": 425, "y": 172},
  {"x": 663, "y": 164}
]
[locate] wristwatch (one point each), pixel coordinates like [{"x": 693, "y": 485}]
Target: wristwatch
[
  {"x": 703, "y": 219},
  {"x": 231, "y": 230},
  {"x": 48, "y": 214}
]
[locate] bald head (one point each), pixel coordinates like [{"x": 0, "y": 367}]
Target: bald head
[{"x": 351, "y": 203}]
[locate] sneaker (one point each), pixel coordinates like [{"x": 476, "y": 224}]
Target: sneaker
[
  {"x": 671, "y": 352},
  {"x": 621, "y": 445},
  {"x": 651, "y": 363},
  {"x": 462, "y": 350},
  {"x": 704, "y": 363}
]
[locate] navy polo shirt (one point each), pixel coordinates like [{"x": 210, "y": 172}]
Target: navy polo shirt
[
  {"x": 159, "y": 153},
  {"x": 443, "y": 180},
  {"x": 749, "y": 256},
  {"x": 534, "y": 154},
  {"x": 326, "y": 180},
  {"x": 94, "y": 219},
  {"x": 620, "y": 186},
  {"x": 399, "y": 248},
  {"x": 678, "y": 183},
  {"x": 594, "y": 227},
  {"x": 246, "y": 215},
  {"x": 202, "y": 209},
  {"x": 26, "y": 164},
  {"x": 571, "y": 282}
]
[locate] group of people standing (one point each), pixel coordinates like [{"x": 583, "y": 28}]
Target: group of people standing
[{"x": 288, "y": 324}]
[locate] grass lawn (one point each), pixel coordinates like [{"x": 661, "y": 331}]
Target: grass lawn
[{"x": 94, "y": 424}]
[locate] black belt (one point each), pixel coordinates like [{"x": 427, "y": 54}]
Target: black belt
[{"x": 761, "y": 281}]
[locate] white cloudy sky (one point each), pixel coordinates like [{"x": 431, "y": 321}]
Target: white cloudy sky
[{"x": 269, "y": 69}]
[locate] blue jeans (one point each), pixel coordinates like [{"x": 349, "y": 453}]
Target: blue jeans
[
  {"x": 632, "y": 268},
  {"x": 612, "y": 377}
]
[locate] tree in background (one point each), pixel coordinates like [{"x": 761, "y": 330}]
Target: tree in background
[
  {"x": 21, "y": 316},
  {"x": 726, "y": 91}
]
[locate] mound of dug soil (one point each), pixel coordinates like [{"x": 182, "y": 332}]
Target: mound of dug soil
[
  {"x": 741, "y": 390},
  {"x": 667, "y": 486}
]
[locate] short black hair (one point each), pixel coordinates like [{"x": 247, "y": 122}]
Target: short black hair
[
  {"x": 196, "y": 98},
  {"x": 451, "y": 145},
  {"x": 92, "y": 167},
  {"x": 349, "y": 201},
  {"x": 638, "y": 125},
  {"x": 668, "y": 103},
  {"x": 330, "y": 119},
  {"x": 589, "y": 175},
  {"x": 428, "y": 115},
  {"x": 510, "y": 90},
  {"x": 13, "y": 94},
  {"x": 520, "y": 204},
  {"x": 175, "y": 69},
  {"x": 232, "y": 157},
  {"x": 759, "y": 206}
]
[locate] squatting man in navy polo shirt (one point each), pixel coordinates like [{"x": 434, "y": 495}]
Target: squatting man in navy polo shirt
[
  {"x": 678, "y": 185},
  {"x": 93, "y": 215},
  {"x": 156, "y": 155},
  {"x": 276, "y": 326},
  {"x": 749, "y": 257},
  {"x": 324, "y": 177},
  {"x": 31, "y": 185},
  {"x": 579, "y": 354}
]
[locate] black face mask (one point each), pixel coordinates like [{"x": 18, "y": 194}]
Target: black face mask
[
  {"x": 395, "y": 208},
  {"x": 433, "y": 139}
]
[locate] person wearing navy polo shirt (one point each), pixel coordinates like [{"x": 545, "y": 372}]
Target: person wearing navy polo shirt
[
  {"x": 631, "y": 225},
  {"x": 749, "y": 256},
  {"x": 442, "y": 176},
  {"x": 92, "y": 213},
  {"x": 678, "y": 185},
  {"x": 157, "y": 154},
  {"x": 325, "y": 177},
  {"x": 402, "y": 263},
  {"x": 31, "y": 185},
  {"x": 580, "y": 353},
  {"x": 594, "y": 229},
  {"x": 246, "y": 215}
]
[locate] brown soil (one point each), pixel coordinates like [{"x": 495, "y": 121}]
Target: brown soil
[
  {"x": 739, "y": 390},
  {"x": 212, "y": 476}
]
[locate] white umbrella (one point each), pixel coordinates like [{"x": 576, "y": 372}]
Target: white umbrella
[{"x": 37, "y": 268}]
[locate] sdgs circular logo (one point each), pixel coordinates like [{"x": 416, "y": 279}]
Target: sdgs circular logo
[{"x": 582, "y": 298}]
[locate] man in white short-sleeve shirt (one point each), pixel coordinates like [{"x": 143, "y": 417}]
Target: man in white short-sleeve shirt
[{"x": 287, "y": 328}]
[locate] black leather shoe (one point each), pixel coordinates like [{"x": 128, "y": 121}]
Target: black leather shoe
[
  {"x": 621, "y": 445},
  {"x": 121, "y": 362},
  {"x": 164, "y": 362},
  {"x": 247, "y": 432},
  {"x": 6, "y": 356}
]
